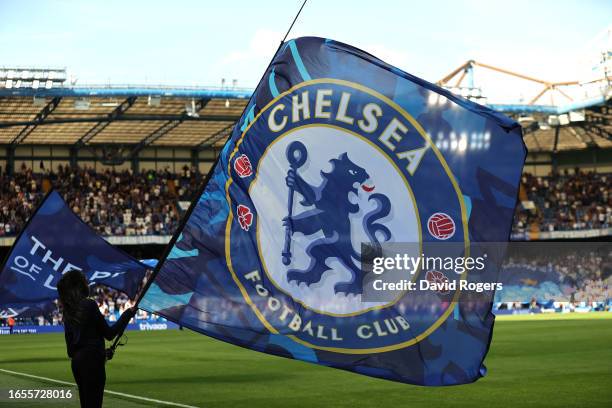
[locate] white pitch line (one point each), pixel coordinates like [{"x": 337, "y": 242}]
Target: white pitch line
[{"x": 121, "y": 394}]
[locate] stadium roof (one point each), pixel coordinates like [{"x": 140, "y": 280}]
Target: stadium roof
[
  {"x": 170, "y": 116},
  {"x": 581, "y": 118},
  {"x": 202, "y": 117},
  {"x": 571, "y": 130}
]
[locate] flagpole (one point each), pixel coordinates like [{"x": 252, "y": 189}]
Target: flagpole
[{"x": 204, "y": 184}]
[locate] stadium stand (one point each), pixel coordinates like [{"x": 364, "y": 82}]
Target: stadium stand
[
  {"x": 578, "y": 201},
  {"x": 121, "y": 203},
  {"x": 110, "y": 302},
  {"x": 577, "y": 279},
  {"x": 129, "y": 158},
  {"x": 117, "y": 203}
]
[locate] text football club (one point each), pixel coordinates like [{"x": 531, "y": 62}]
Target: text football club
[{"x": 324, "y": 167}]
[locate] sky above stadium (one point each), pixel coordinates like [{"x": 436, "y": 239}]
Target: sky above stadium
[{"x": 201, "y": 42}]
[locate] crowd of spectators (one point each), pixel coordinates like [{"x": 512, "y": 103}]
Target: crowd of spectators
[
  {"x": 564, "y": 201},
  {"x": 560, "y": 272},
  {"x": 112, "y": 202},
  {"x": 126, "y": 203},
  {"x": 593, "y": 291},
  {"x": 111, "y": 303},
  {"x": 581, "y": 276},
  {"x": 147, "y": 203}
]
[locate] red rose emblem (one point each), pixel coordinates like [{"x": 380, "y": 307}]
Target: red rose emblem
[
  {"x": 437, "y": 278},
  {"x": 245, "y": 217},
  {"x": 242, "y": 165}
]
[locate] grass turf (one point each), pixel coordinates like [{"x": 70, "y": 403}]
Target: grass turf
[{"x": 534, "y": 361}]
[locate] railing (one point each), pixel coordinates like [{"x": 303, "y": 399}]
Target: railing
[
  {"x": 126, "y": 90},
  {"x": 160, "y": 86},
  {"x": 570, "y": 234},
  {"x": 114, "y": 240}
]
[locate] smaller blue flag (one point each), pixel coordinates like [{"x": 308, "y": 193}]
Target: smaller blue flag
[{"x": 53, "y": 242}]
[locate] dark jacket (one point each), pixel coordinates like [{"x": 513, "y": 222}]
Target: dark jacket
[{"x": 93, "y": 329}]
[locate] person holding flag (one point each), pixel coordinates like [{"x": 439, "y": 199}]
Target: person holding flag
[{"x": 85, "y": 331}]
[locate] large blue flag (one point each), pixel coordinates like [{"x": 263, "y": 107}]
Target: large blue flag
[
  {"x": 336, "y": 149},
  {"x": 54, "y": 241}
]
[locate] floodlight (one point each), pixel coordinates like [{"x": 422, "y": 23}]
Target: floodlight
[
  {"x": 190, "y": 109},
  {"x": 81, "y": 104},
  {"x": 38, "y": 101},
  {"x": 576, "y": 116},
  {"x": 154, "y": 101}
]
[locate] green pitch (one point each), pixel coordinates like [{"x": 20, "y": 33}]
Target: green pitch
[{"x": 534, "y": 361}]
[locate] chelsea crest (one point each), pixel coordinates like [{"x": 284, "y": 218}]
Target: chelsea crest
[{"x": 323, "y": 168}]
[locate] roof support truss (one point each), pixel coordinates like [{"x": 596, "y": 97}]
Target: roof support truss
[
  {"x": 38, "y": 119},
  {"x": 127, "y": 118},
  {"x": 211, "y": 140},
  {"x": 556, "y": 140},
  {"x": 168, "y": 126},
  {"x": 100, "y": 126}
]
